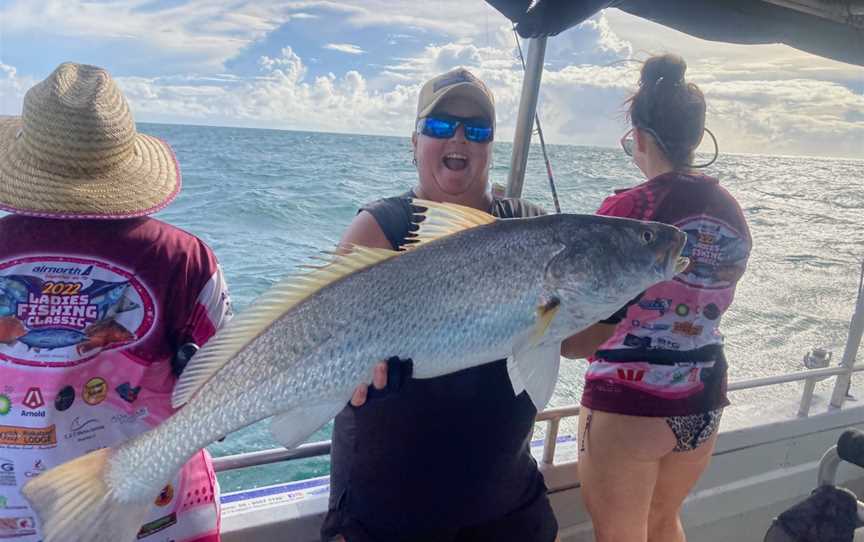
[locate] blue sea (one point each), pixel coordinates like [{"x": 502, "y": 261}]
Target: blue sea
[{"x": 268, "y": 200}]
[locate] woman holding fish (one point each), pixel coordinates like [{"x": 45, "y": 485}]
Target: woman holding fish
[
  {"x": 446, "y": 458},
  {"x": 656, "y": 389},
  {"x": 96, "y": 299}
]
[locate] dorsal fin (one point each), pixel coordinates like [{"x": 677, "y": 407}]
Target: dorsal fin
[
  {"x": 242, "y": 329},
  {"x": 442, "y": 219}
]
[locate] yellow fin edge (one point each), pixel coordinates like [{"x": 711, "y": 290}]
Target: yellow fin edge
[
  {"x": 269, "y": 307},
  {"x": 443, "y": 219}
]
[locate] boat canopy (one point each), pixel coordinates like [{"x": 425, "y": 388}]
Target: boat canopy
[{"x": 829, "y": 28}]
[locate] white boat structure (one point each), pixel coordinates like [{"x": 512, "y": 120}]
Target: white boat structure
[{"x": 765, "y": 460}]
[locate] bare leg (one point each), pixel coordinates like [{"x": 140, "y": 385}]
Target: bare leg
[
  {"x": 619, "y": 470},
  {"x": 679, "y": 472}
]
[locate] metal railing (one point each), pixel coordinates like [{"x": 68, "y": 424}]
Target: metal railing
[{"x": 552, "y": 417}]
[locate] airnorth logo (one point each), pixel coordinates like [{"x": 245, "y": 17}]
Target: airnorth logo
[
  {"x": 33, "y": 399},
  {"x": 54, "y": 270}
]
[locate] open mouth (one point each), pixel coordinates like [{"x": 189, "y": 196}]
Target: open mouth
[{"x": 455, "y": 161}]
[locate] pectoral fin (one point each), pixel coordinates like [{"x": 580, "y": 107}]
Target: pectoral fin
[
  {"x": 533, "y": 366},
  {"x": 536, "y": 372},
  {"x": 292, "y": 427},
  {"x": 546, "y": 312}
]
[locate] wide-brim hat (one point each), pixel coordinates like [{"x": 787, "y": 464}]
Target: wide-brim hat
[
  {"x": 75, "y": 153},
  {"x": 459, "y": 83}
]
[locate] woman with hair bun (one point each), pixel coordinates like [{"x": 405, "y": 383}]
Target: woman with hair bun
[{"x": 655, "y": 391}]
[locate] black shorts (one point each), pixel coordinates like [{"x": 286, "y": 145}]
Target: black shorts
[{"x": 533, "y": 522}]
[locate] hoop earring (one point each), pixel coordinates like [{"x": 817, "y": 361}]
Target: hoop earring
[
  {"x": 414, "y": 161},
  {"x": 716, "y": 152}
]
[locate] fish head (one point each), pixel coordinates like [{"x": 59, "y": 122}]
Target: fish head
[{"x": 605, "y": 262}]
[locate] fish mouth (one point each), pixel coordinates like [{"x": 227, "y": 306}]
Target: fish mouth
[
  {"x": 671, "y": 264},
  {"x": 670, "y": 261}
]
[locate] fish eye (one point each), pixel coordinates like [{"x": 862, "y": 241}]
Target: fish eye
[{"x": 647, "y": 236}]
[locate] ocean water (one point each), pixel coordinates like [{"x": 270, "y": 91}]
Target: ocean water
[{"x": 266, "y": 201}]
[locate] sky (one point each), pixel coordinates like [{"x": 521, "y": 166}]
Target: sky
[{"x": 356, "y": 66}]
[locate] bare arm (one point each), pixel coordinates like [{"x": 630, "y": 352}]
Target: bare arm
[
  {"x": 586, "y": 342},
  {"x": 365, "y": 231}
]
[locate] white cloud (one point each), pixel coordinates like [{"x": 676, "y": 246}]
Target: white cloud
[
  {"x": 453, "y": 17},
  {"x": 767, "y": 98},
  {"x": 799, "y": 116},
  {"x": 579, "y": 104},
  {"x": 282, "y": 97},
  {"x": 345, "y": 48},
  {"x": 203, "y": 32},
  {"x": 12, "y": 89},
  {"x": 208, "y": 33},
  {"x": 609, "y": 40}
]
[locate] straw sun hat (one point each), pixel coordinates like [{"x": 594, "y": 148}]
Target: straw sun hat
[{"x": 75, "y": 153}]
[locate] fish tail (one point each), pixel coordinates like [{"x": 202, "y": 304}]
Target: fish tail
[{"x": 75, "y": 502}]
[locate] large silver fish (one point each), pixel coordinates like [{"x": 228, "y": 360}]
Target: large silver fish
[{"x": 474, "y": 289}]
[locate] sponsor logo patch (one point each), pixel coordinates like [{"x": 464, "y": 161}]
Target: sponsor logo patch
[
  {"x": 157, "y": 525},
  {"x": 38, "y": 468},
  {"x": 7, "y": 473},
  {"x": 95, "y": 391},
  {"x": 165, "y": 496},
  {"x": 33, "y": 399},
  {"x": 65, "y": 398},
  {"x": 127, "y": 392},
  {"x": 83, "y": 430},
  {"x": 16, "y": 527},
  {"x": 27, "y": 436}
]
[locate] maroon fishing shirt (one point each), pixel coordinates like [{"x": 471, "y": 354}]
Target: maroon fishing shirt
[
  {"x": 666, "y": 357},
  {"x": 91, "y": 314}
]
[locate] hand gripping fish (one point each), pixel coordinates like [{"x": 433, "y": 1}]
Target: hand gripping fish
[{"x": 473, "y": 289}]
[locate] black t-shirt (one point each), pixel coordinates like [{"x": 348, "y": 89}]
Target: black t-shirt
[{"x": 451, "y": 451}]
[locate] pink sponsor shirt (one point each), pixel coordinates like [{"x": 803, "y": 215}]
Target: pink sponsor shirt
[
  {"x": 666, "y": 356},
  {"x": 92, "y": 313}
]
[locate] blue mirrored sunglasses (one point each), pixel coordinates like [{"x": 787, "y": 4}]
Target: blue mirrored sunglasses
[{"x": 478, "y": 131}]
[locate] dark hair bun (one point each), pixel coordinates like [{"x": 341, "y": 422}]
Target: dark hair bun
[{"x": 670, "y": 67}]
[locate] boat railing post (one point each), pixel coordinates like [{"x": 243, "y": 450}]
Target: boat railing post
[
  {"x": 818, "y": 358},
  {"x": 550, "y": 441},
  {"x": 807, "y": 398},
  {"x": 525, "y": 118},
  {"x": 856, "y": 329}
]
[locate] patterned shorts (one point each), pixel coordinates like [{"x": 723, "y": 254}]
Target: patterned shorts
[{"x": 694, "y": 430}]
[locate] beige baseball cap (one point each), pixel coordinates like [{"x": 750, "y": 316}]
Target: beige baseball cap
[{"x": 458, "y": 82}]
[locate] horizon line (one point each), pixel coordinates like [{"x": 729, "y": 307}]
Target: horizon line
[{"x": 533, "y": 141}]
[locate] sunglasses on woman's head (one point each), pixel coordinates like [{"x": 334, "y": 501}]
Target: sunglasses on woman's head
[
  {"x": 628, "y": 142},
  {"x": 439, "y": 127}
]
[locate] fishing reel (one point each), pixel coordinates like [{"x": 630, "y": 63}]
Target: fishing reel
[{"x": 818, "y": 358}]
